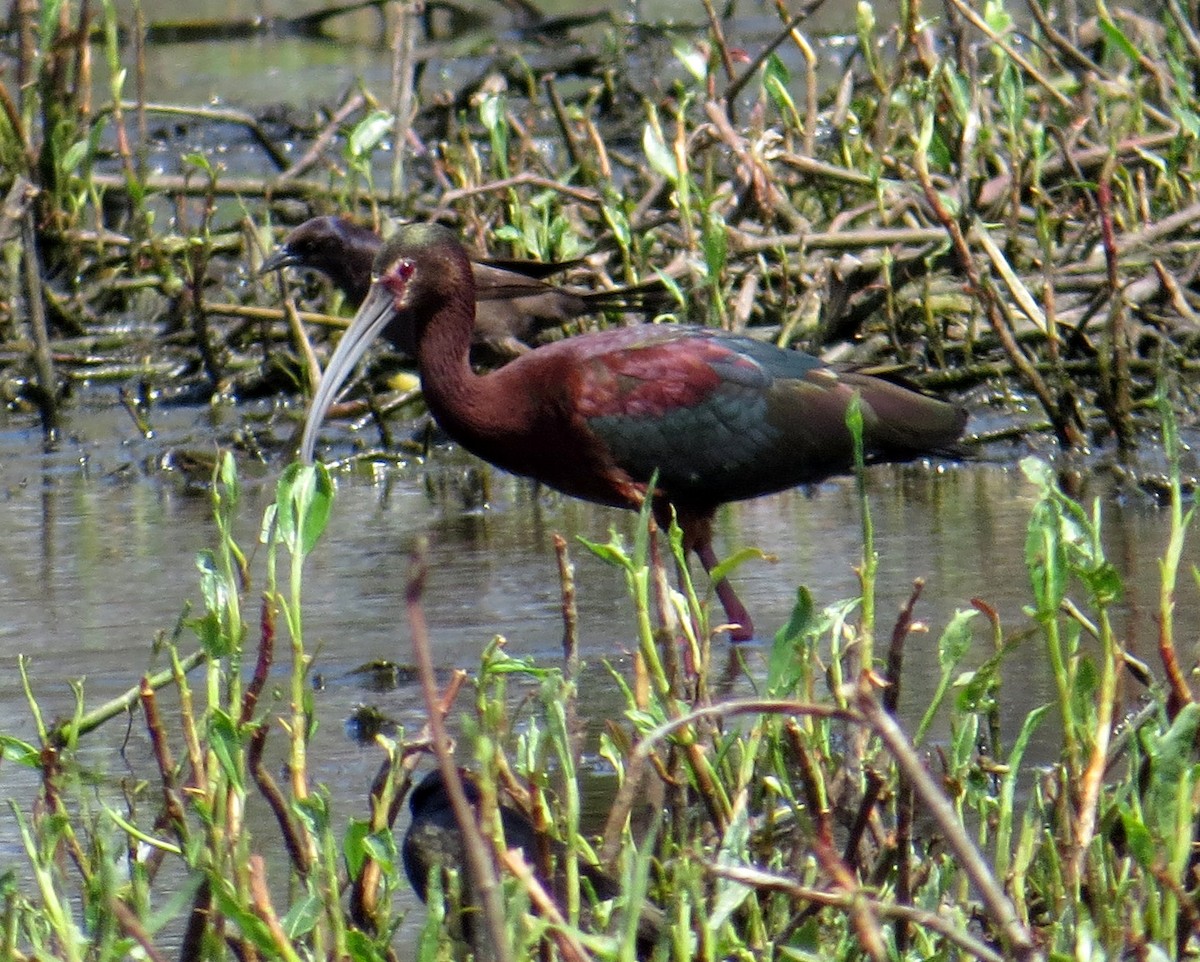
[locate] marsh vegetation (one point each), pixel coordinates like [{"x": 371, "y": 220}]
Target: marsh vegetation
[{"x": 998, "y": 202}]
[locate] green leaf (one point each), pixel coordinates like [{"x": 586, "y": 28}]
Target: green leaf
[
  {"x": 200, "y": 162},
  {"x": 252, "y": 927},
  {"x": 1103, "y": 584},
  {"x": 775, "y": 69},
  {"x": 997, "y": 16},
  {"x": 1045, "y": 559},
  {"x": 612, "y": 553},
  {"x": 354, "y": 845},
  {"x": 776, "y": 80},
  {"x": 1138, "y": 839},
  {"x": 361, "y": 948},
  {"x": 1170, "y": 764},
  {"x": 368, "y": 134},
  {"x": 693, "y": 57},
  {"x": 956, "y": 639},
  {"x": 716, "y": 243},
  {"x": 303, "y": 915},
  {"x": 266, "y": 531},
  {"x": 733, "y": 853},
  {"x": 382, "y": 848},
  {"x": 641, "y": 534},
  {"x": 658, "y": 154},
  {"x": 1112, "y": 33},
  {"x": 734, "y": 561},
  {"x": 491, "y": 111},
  {"x": 208, "y": 633},
  {"x": 785, "y": 667},
  {"x": 226, "y": 743},
  {"x": 73, "y": 158},
  {"x": 19, "y": 752},
  {"x": 304, "y": 498},
  {"x": 210, "y": 578},
  {"x": 959, "y": 89},
  {"x": 964, "y": 738},
  {"x": 314, "y": 812},
  {"x": 227, "y": 477},
  {"x": 215, "y": 591},
  {"x": 854, "y": 423}
]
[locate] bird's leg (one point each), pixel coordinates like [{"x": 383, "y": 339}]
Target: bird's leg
[
  {"x": 735, "y": 611},
  {"x": 697, "y": 536}
]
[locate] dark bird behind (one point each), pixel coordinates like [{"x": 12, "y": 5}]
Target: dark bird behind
[
  {"x": 513, "y": 302},
  {"x": 434, "y": 841},
  {"x": 720, "y": 417}
]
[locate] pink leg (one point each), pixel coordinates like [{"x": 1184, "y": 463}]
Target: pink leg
[{"x": 735, "y": 611}]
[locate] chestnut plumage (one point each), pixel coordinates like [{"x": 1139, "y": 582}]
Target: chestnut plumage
[{"x": 720, "y": 417}]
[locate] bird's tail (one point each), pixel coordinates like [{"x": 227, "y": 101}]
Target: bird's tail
[
  {"x": 651, "y": 296},
  {"x": 899, "y": 420}
]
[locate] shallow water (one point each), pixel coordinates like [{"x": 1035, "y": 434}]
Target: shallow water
[{"x": 99, "y": 561}]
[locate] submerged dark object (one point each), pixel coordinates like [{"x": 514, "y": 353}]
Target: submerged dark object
[
  {"x": 434, "y": 841},
  {"x": 513, "y": 302},
  {"x": 365, "y": 722},
  {"x": 720, "y": 417}
]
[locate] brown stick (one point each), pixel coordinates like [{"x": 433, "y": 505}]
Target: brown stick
[
  {"x": 166, "y": 763},
  {"x": 1116, "y": 394},
  {"x": 36, "y": 305},
  {"x": 355, "y": 102},
  {"x": 132, "y": 926},
  {"x": 479, "y": 859},
  {"x": 766, "y": 881}
]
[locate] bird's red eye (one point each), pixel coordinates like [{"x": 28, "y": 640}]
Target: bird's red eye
[{"x": 395, "y": 279}]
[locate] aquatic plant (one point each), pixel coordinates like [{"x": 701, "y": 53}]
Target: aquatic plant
[{"x": 1014, "y": 201}]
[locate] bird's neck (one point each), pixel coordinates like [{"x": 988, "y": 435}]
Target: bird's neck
[{"x": 468, "y": 406}]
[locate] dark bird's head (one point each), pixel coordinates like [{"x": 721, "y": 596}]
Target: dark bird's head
[
  {"x": 421, "y": 274},
  {"x": 337, "y": 247},
  {"x": 434, "y": 838}
]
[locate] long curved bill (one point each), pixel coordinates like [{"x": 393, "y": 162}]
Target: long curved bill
[
  {"x": 372, "y": 317},
  {"x": 283, "y": 257}
]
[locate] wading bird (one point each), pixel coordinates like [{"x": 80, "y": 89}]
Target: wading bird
[
  {"x": 513, "y": 302},
  {"x": 720, "y": 417},
  {"x": 434, "y": 841}
]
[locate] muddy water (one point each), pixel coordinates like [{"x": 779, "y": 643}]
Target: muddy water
[{"x": 275, "y": 68}]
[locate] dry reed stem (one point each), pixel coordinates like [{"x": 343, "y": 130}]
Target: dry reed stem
[
  {"x": 950, "y": 929},
  {"x": 561, "y": 932},
  {"x": 999, "y": 907},
  {"x": 479, "y": 855},
  {"x": 132, "y": 926}
]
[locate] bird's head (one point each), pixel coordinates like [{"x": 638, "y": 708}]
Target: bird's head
[
  {"x": 421, "y": 265},
  {"x": 418, "y": 275},
  {"x": 317, "y": 243}
]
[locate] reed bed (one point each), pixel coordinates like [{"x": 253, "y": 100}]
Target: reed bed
[{"x": 802, "y": 821}]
